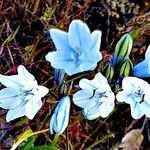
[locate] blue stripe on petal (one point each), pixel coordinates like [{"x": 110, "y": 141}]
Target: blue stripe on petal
[
  {"x": 9, "y": 98},
  {"x": 79, "y": 35},
  {"x": 16, "y": 112},
  {"x": 91, "y": 114},
  {"x": 84, "y": 99}
]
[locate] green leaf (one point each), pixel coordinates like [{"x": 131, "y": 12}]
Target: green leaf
[
  {"x": 46, "y": 147},
  {"x": 21, "y": 138},
  {"x": 29, "y": 143}
]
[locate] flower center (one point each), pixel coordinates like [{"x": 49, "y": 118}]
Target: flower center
[
  {"x": 27, "y": 94},
  {"x": 79, "y": 56},
  {"x": 100, "y": 96},
  {"x": 138, "y": 95}
]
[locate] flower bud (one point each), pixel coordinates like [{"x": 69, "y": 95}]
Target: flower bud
[
  {"x": 60, "y": 118},
  {"x": 126, "y": 68},
  {"x": 123, "y": 49},
  {"x": 59, "y": 76},
  {"x": 63, "y": 88},
  {"x": 108, "y": 71}
]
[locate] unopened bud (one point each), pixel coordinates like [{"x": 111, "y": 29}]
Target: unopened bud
[
  {"x": 108, "y": 71},
  {"x": 63, "y": 89},
  {"x": 123, "y": 49},
  {"x": 59, "y": 76},
  {"x": 126, "y": 68}
]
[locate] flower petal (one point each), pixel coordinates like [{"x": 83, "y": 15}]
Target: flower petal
[
  {"x": 95, "y": 41},
  {"x": 9, "y": 98},
  {"x": 147, "y": 54},
  {"x": 93, "y": 54},
  {"x": 26, "y": 78},
  {"x": 100, "y": 80},
  {"x": 71, "y": 68},
  {"x": 92, "y": 113},
  {"x": 106, "y": 108},
  {"x": 16, "y": 112},
  {"x": 147, "y": 97},
  {"x": 86, "y": 84},
  {"x": 84, "y": 99},
  {"x": 87, "y": 65},
  {"x": 136, "y": 110},
  {"x": 78, "y": 35},
  {"x": 130, "y": 83},
  {"x": 62, "y": 61},
  {"x": 142, "y": 69},
  {"x": 122, "y": 96},
  {"x": 51, "y": 125},
  {"x": 10, "y": 81},
  {"x": 32, "y": 107},
  {"x": 145, "y": 107},
  {"x": 42, "y": 90},
  {"x": 60, "y": 39}
]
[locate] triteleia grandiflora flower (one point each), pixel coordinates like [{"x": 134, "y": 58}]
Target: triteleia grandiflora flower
[
  {"x": 77, "y": 49},
  {"x": 142, "y": 69},
  {"x": 96, "y": 97},
  {"x": 60, "y": 118},
  {"x": 136, "y": 92},
  {"x": 22, "y": 95}
]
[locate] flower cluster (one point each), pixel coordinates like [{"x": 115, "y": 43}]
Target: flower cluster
[{"x": 78, "y": 50}]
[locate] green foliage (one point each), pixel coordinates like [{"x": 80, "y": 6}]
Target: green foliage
[{"x": 46, "y": 147}]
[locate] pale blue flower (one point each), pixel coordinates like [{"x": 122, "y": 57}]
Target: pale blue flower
[
  {"x": 96, "y": 97},
  {"x": 77, "y": 49},
  {"x": 22, "y": 95},
  {"x": 136, "y": 92},
  {"x": 142, "y": 69},
  {"x": 60, "y": 118}
]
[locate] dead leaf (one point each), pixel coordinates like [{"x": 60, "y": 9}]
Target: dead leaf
[{"x": 131, "y": 141}]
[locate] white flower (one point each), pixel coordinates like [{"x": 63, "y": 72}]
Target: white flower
[
  {"x": 136, "y": 92},
  {"x": 96, "y": 97},
  {"x": 22, "y": 95},
  {"x": 60, "y": 118}
]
